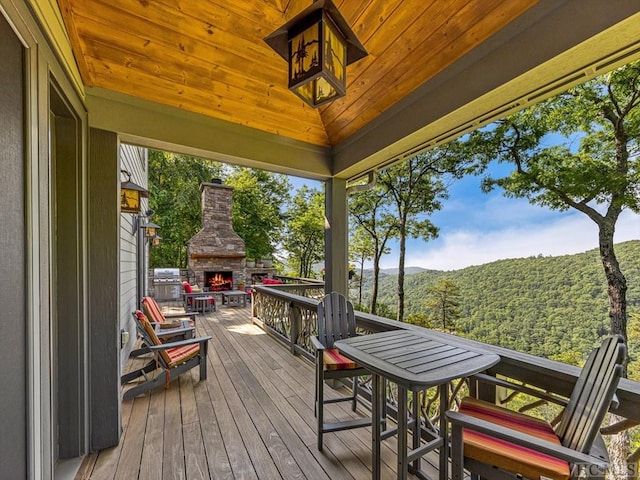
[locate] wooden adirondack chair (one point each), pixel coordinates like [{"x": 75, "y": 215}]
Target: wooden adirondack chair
[
  {"x": 167, "y": 320},
  {"x": 174, "y": 358},
  {"x": 497, "y": 443},
  {"x": 336, "y": 321},
  {"x": 166, "y": 330}
]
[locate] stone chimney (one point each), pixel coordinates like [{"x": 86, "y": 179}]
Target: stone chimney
[{"x": 216, "y": 250}]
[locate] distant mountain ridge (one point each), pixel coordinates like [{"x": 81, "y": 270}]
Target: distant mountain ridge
[
  {"x": 407, "y": 270},
  {"x": 539, "y": 305}
]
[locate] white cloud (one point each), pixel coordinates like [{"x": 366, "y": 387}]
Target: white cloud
[{"x": 475, "y": 245}]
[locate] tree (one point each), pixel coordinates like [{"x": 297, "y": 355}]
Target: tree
[
  {"x": 257, "y": 217},
  {"x": 416, "y": 190},
  {"x": 595, "y": 171},
  {"x": 370, "y": 211},
  {"x": 360, "y": 250},
  {"x": 443, "y": 304},
  {"x": 304, "y": 240},
  {"x": 174, "y": 184}
]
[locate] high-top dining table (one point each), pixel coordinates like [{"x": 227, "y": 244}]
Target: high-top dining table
[{"x": 414, "y": 360}]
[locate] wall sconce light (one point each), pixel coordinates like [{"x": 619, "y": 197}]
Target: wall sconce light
[
  {"x": 150, "y": 229},
  {"x": 318, "y": 44},
  {"x": 130, "y": 195}
]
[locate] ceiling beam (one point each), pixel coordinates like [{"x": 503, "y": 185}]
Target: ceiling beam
[{"x": 149, "y": 124}]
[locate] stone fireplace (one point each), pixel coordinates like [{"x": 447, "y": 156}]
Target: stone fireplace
[{"x": 216, "y": 254}]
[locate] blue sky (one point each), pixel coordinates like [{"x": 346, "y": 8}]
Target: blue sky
[{"x": 477, "y": 228}]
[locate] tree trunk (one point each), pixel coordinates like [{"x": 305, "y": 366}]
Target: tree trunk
[
  {"x": 360, "y": 282},
  {"x": 617, "y": 290},
  {"x": 618, "y": 451},
  {"x": 374, "y": 286},
  {"x": 616, "y": 282},
  {"x": 403, "y": 251}
]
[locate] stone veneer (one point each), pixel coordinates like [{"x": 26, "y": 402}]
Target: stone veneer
[{"x": 217, "y": 247}]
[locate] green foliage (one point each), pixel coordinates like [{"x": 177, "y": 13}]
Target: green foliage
[
  {"x": 361, "y": 249},
  {"x": 416, "y": 190},
  {"x": 370, "y": 211},
  {"x": 383, "y": 310},
  {"x": 545, "y": 306},
  {"x": 304, "y": 239},
  {"x": 420, "y": 319},
  {"x": 257, "y": 217},
  {"x": 174, "y": 184},
  {"x": 443, "y": 304},
  {"x": 634, "y": 346},
  {"x": 595, "y": 169}
]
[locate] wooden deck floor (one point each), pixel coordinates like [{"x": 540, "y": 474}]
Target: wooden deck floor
[{"x": 252, "y": 418}]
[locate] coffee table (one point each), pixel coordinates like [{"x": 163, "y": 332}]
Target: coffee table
[{"x": 234, "y": 298}]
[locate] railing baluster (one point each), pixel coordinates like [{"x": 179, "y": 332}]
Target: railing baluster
[{"x": 296, "y": 322}]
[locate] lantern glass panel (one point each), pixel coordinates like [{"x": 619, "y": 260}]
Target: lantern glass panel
[
  {"x": 324, "y": 91},
  {"x": 307, "y": 92},
  {"x": 334, "y": 52},
  {"x": 129, "y": 201},
  {"x": 304, "y": 54}
]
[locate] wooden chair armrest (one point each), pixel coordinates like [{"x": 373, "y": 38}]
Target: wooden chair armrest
[
  {"x": 169, "y": 332},
  {"x": 317, "y": 344},
  {"x": 537, "y": 444},
  {"x": 483, "y": 378},
  {"x": 181, "y": 314},
  {"x": 172, "y": 325},
  {"x": 181, "y": 343}
]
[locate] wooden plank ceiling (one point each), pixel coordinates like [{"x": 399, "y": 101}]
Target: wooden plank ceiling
[{"x": 209, "y": 57}]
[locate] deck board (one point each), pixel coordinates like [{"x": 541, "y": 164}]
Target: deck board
[{"x": 252, "y": 418}]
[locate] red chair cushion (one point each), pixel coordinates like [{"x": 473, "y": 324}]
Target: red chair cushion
[
  {"x": 187, "y": 287},
  {"x": 182, "y": 354},
  {"x": 507, "y": 455},
  {"x": 152, "y": 310},
  {"x": 154, "y": 314},
  {"x": 333, "y": 360}
]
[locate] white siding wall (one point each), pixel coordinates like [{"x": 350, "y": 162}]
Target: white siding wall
[{"x": 134, "y": 160}]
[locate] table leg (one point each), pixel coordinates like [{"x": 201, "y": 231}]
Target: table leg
[
  {"x": 403, "y": 464},
  {"x": 444, "y": 449},
  {"x": 416, "y": 428},
  {"x": 375, "y": 428}
]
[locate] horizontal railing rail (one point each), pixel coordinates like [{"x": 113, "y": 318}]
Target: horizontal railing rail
[{"x": 289, "y": 312}]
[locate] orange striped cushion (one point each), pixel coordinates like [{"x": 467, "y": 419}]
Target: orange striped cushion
[
  {"x": 151, "y": 333},
  {"x": 333, "y": 360},
  {"x": 506, "y": 455},
  {"x": 152, "y": 310},
  {"x": 182, "y": 354}
]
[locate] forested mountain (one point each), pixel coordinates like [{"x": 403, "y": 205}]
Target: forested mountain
[{"x": 547, "y": 306}]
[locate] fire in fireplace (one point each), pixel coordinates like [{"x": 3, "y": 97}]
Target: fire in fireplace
[{"x": 218, "y": 281}]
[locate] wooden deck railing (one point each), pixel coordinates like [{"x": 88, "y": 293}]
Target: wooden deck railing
[{"x": 289, "y": 312}]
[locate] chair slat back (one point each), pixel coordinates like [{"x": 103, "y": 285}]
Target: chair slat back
[
  {"x": 336, "y": 319},
  {"x": 149, "y": 336},
  {"x": 152, "y": 310},
  {"x": 592, "y": 395}
]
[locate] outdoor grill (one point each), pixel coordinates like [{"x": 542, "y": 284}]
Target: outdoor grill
[{"x": 166, "y": 283}]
